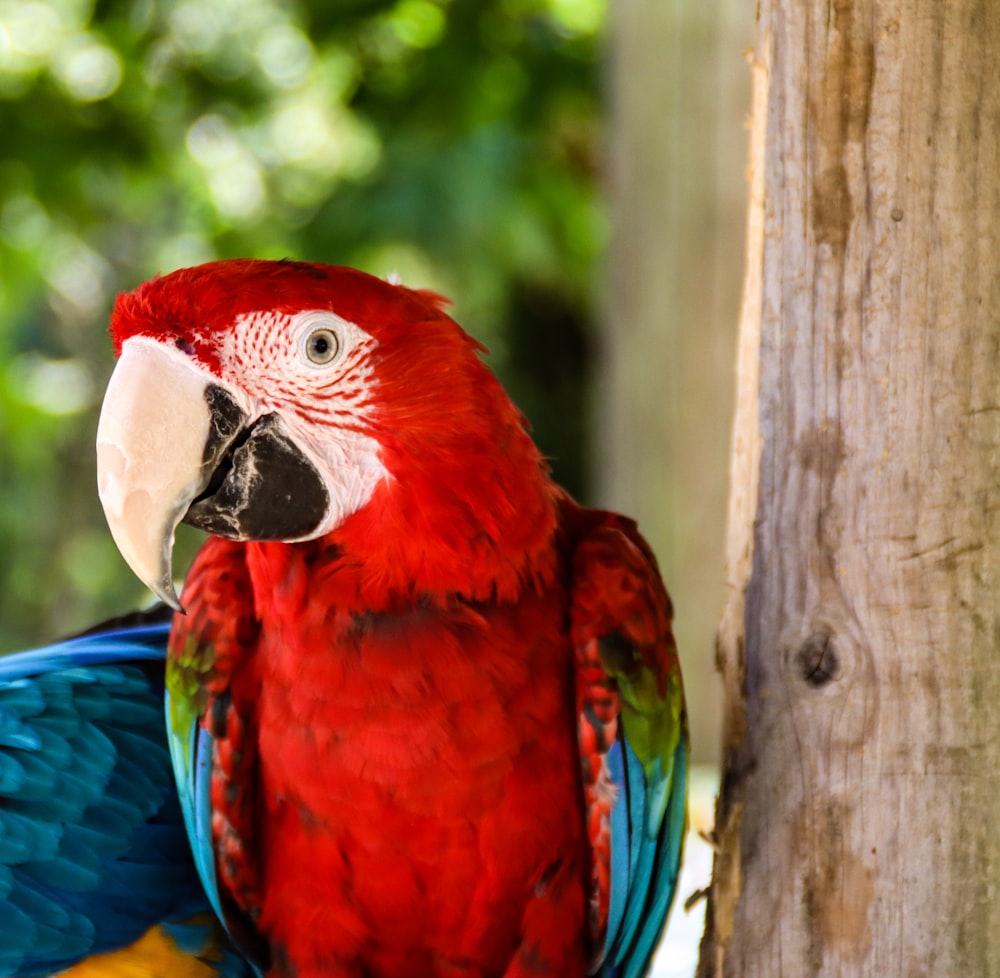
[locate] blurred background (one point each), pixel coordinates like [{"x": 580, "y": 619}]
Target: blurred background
[{"x": 569, "y": 172}]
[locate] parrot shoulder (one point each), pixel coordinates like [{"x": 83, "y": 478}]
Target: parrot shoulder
[{"x": 632, "y": 734}]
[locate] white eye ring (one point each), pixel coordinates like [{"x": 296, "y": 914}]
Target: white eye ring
[{"x": 321, "y": 346}]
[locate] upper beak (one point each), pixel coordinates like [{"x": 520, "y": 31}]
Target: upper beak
[{"x": 164, "y": 426}]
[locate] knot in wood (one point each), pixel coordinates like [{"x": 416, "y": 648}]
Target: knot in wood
[{"x": 817, "y": 660}]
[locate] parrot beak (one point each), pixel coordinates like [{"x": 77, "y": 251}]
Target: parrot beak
[
  {"x": 174, "y": 445},
  {"x": 164, "y": 427}
]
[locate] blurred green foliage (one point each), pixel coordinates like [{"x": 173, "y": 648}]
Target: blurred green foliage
[{"x": 454, "y": 143}]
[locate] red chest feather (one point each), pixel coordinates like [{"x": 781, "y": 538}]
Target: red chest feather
[{"x": 418, "y": 786}]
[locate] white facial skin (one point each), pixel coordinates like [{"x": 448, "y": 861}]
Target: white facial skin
[{"x": 314, "y": 370}]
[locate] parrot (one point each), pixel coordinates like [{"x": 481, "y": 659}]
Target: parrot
[{"x": 423, "y": 710}]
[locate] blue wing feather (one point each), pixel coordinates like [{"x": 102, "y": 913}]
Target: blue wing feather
[
  {"x": 620, "y": 855},
  {"x": 641, "y": 847},
  {"x": 93, "y": 848},
  {"x": 668, "y": 858},
  {"x": 191, "y": 753},
  {"x": 647, "y": 834},
  {"x": 664, "y": 855},
  {"x": 145, "y": 642}
]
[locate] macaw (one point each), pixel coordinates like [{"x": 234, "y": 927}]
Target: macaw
[{"x": 424, "y": 710}]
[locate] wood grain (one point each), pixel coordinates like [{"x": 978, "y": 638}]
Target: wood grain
[{"x": 860, "y": 647}]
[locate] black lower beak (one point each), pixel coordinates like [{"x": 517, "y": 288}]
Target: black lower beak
[{"x": 262, "y": 488}]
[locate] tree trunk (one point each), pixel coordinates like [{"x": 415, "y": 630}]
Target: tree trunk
[{"x": 860, "y": 647}]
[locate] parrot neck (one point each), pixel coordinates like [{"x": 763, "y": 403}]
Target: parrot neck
[
  {"x": 468, "y": 508},
  {"x": 418, "y": 540},
  {"x": 453, "y": 541}
]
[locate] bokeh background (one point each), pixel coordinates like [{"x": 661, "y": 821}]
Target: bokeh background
[{"x": 569, "y": 172}]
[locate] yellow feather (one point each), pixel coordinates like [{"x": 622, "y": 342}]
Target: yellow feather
[{"x": 154, "y": 955}]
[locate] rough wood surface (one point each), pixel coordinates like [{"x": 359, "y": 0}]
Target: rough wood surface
[{"x": 860, "y": 648}]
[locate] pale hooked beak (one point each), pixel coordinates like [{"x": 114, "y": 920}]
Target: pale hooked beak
[{"x": 158, "y": 441}]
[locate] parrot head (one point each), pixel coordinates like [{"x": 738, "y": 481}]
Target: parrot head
[{"x": 285, "y": 401}]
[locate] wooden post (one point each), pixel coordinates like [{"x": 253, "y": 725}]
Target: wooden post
[{"x": 860, "y": 647}]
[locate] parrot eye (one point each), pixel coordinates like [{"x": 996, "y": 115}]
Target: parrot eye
[{"x": 321, "y": 346}]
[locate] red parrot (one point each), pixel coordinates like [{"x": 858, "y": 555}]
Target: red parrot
[{"x": 426, "y": 710}]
